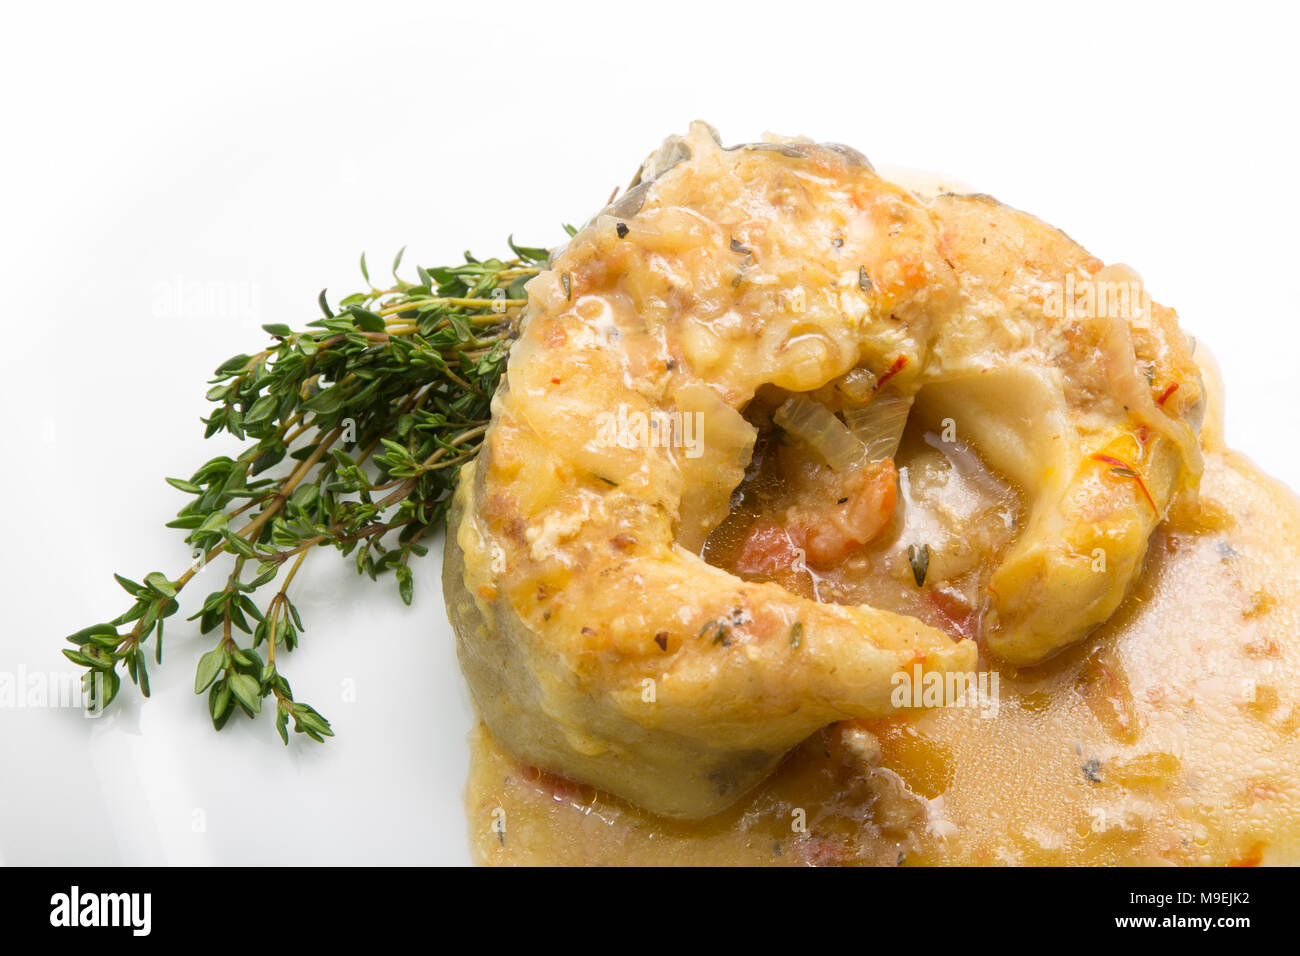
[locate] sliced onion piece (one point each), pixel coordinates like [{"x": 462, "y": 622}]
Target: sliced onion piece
[
  {"x": 814, "y": 424},
  {"x": 879, "y": 424}
]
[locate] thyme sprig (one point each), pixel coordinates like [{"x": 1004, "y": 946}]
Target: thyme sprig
[{"x": 355, "y": 429}]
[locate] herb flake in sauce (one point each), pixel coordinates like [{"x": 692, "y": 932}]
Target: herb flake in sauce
[{"x": 919, "y": 557}]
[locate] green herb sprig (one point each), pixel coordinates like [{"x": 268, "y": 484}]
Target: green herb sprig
[{"x": 356, "y": 429}]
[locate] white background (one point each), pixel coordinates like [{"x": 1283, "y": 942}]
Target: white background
[{"x": 252, "y": 151}]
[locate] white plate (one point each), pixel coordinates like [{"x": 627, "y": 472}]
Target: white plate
[{"x": 175, "y": 178}]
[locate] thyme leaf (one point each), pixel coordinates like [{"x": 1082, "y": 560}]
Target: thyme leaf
[{"x": 919, "y": 557}]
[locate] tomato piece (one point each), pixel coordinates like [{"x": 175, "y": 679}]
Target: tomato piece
[
  {"x": 955, "y": 615},
  {"x": 768, "y": 548},
  {"x": 856, "y": 519}
]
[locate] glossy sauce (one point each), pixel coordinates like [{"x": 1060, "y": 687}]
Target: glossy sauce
[{"x": 949, "y": 503}]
